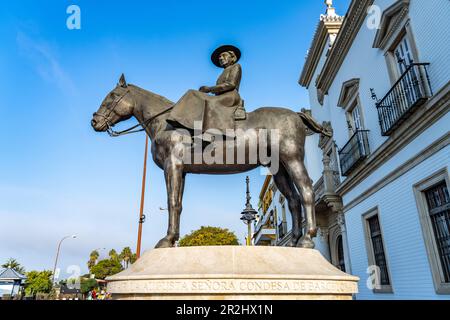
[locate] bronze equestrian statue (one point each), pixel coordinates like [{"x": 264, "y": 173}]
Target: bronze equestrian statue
[
  {"x": 161, "y": 119},
  {"x": 217, "y": 111}
]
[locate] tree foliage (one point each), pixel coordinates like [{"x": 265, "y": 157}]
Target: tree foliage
[
  {"x": 93, "y": 259},
  {"x": 15, "y": 265},
  {"x": 87, "y": 285},
  {"x": 209, "y": 236},
  {"x": 113, "y": 255},
  {"x": 126, "y": 256},
  {"x": 38, "y": 282},
  {"x": 106, "y": 268}
]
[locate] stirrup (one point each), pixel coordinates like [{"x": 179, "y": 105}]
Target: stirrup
[{"x": 240, "y": 113}]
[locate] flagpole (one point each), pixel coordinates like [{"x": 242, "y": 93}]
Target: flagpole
[{"x": 141, "y": 212}]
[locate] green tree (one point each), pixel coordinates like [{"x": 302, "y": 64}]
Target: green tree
[
  {"x": 126, "y": 256},
  {"x": 209, "y": 236},
  {"x": 113, "y": 255},
  {"x": 87, "y": 284},
  {"x": 106, "y": 268},
  {"x": 38, "y": 282},
  {"x": 93, "y": 259},
  {"x": 15, "y": 265}
]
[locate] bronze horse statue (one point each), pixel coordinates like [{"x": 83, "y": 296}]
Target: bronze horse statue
[{"x": 291, "y": 178}]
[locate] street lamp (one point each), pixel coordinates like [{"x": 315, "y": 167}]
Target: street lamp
[
  {"x": 57, "y": 254},
  {"x": 248, "y": 214}
]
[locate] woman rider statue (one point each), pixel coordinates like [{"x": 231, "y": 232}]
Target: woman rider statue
[{"x": 216, "y": 107}]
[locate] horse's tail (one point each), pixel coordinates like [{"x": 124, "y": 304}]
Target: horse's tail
[{"x": 313, "y": 125}]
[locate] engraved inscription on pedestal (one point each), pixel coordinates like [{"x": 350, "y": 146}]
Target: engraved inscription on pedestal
[
  {"x": 237, "y": 272},
  {"x": 227, "y": 286}
]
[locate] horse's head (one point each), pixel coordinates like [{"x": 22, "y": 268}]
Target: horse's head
[{"x": 116, "y": 107}]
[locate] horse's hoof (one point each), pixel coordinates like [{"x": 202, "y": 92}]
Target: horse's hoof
[
  {"x": 293, "y": 244},
  {"x": 164, "y": 243},
  {"x": 306, "y": 242}
]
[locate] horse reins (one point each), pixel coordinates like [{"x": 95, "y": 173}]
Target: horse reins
[{"x": 130, "y": 130}]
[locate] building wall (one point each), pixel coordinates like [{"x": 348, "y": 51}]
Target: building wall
[
  {"x": 430, "y": 24},
  {"x": 435, "y": 132},
  {"x": 410, "y": 271}
]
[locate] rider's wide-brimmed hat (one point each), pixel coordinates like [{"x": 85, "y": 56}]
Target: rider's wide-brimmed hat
[{"x": 216, "y": 54}]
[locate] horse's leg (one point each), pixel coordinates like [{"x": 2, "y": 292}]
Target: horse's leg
[
  {"x": 173, "y": 171},
  {"x": 287, "y": 188},
  {"x": 300, "y": 177}
]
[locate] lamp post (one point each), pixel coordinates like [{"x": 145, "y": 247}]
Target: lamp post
[
  {"x": 248, "y": 214},
  {"x": 57, "y": 254}
]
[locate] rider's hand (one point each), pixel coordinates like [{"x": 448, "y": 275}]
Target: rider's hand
[{"x": 205, "y": 89}]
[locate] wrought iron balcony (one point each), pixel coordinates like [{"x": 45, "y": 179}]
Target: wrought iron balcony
[
  {"x": 355, "y": 151},
  {"x": 409, "y": 92}
]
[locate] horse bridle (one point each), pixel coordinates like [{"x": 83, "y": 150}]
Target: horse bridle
[{"x": 130, "y": 130}]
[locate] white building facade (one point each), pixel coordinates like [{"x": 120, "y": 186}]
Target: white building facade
[{"x": 379, "y": 79}]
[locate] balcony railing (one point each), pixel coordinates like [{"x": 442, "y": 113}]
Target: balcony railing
[
  {"x": 356, "y": 150},
  {"x": 409, "y": 92}
]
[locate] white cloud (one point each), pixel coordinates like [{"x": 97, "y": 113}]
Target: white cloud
[{"x": 44, "y": 60}]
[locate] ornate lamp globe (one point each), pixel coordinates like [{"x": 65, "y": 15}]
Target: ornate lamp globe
[{"x": 248, "y": 214}]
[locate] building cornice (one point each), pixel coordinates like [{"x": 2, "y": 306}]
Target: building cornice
[
  {"x": 390, "y": 22},
  {"x": 349, "y": 89},
  {"x": 352, "y": 24},
  {"x": 328, "y": 25}
]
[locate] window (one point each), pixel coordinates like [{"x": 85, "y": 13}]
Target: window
[
  {"x": 433, "y": 202},
  {"x": 411, "y": 86},
  {"x": 356, "y": 119},
  {"x": 376, "y": 252},
  {"x": 403, "y": 55},
  {"x": 357, "y": 147},
  {"x": 350, "y": 102},
  {"x": 438, "y": 202},
  {"x": 340, "y": 254},
  {"x": 395, "y": 38},
  {"x": 283, "y": 227}
]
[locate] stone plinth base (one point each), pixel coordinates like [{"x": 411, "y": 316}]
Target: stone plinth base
[{"x": 232, "y": 273}]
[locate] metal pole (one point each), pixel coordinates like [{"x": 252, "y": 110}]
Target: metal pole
[
  {"x": 141, "y": 213},
  {"x": 249, "y": 237},
  {"x": 57, "y": 255}
]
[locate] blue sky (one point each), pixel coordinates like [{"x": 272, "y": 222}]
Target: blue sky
[{"x": 59, "y": 177}]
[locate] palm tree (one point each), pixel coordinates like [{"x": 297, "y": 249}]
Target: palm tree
[
  {"x": 126, "y": 256},
  {"x": 15, "y": 265},
  {"x": 93, "y": 259},
  {"x": 113, "y": 255}
]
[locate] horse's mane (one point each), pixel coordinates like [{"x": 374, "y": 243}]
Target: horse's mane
[{"x": 150, "y": 95}]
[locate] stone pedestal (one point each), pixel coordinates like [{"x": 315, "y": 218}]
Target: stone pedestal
[{"x": 232, "y": 272}]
